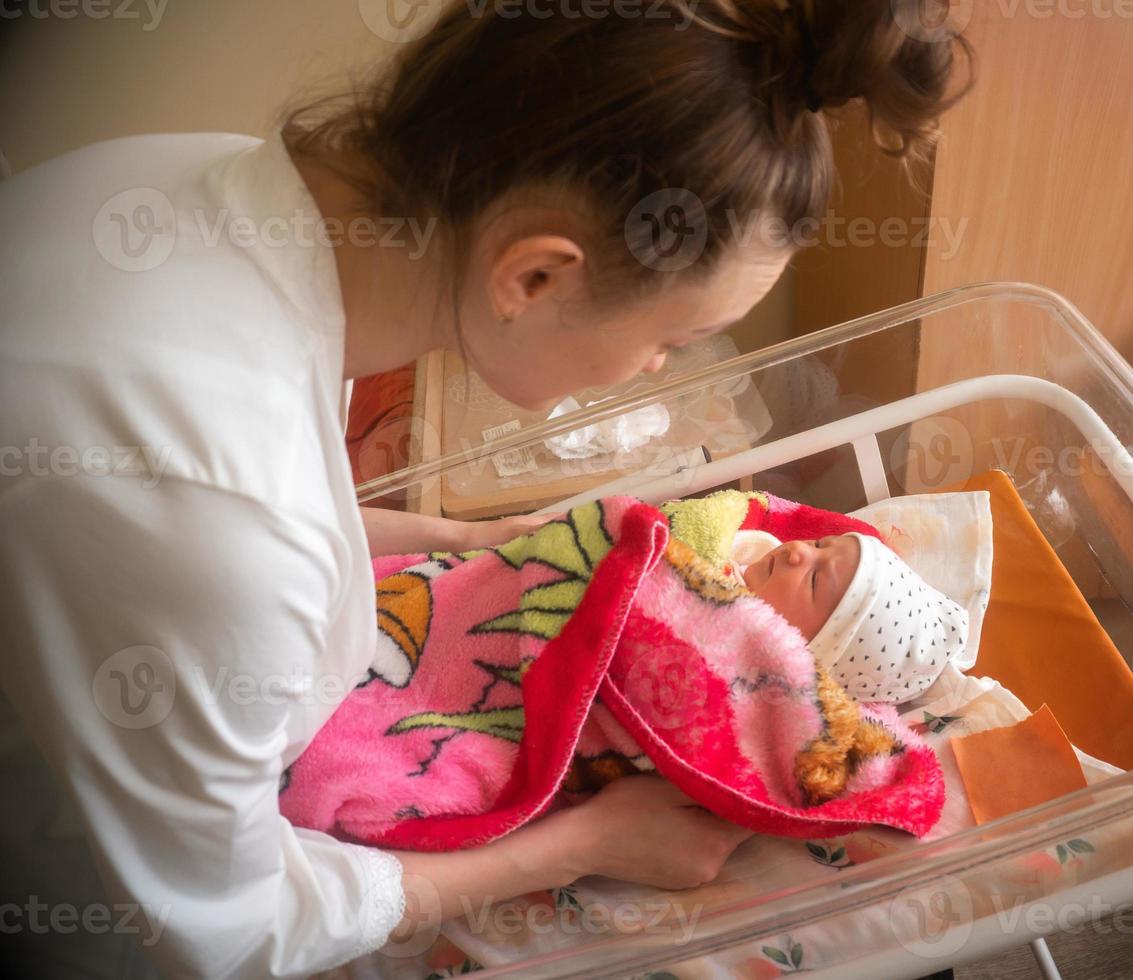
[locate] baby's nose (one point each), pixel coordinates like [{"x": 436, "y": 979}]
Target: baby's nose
[
  {"x": 795, "y": 552},
  {"x": 799, "y": 552}
]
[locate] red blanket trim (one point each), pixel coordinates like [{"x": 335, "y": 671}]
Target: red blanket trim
[
  {"x": 799, "y": 522},
  {"x": 561, "y": 684}
]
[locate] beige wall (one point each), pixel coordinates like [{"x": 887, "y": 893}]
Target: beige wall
[{"x": 193, "y": 65}]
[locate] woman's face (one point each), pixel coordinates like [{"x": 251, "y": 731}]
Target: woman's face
[{"x": 554, "y": 343}]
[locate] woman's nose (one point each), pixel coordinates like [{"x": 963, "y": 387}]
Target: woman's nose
[{"x": 654, "y": 364}]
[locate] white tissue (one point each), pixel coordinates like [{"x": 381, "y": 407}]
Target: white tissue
[{"x": 620, "y": 434}]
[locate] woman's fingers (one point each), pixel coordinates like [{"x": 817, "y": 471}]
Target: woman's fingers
[
  {"x": 644, "y": 829},
  {"x": 489, "y": 534},
  {"x": 670, "y": 792},
  {"x": 532, "y": 522}
]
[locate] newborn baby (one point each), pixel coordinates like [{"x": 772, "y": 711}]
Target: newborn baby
[
  {"x": 536, "y": 672},
  {"x": 880, "y": 630}
]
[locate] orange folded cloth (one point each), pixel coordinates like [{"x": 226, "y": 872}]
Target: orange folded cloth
[
  {"x": 1042, "y": 641},
  {"x": 1011, "y": 768}
]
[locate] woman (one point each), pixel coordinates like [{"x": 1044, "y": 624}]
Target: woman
[{"x": 563, "y": 198}]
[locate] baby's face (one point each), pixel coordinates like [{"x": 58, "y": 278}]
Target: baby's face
[{"x": 805, "y": 580}]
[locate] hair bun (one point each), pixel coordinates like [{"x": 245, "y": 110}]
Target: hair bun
[
  {"x": 834, "y": 52},
  {"x": 809, "y": 55},
  {"x": 806, "y": 54}
]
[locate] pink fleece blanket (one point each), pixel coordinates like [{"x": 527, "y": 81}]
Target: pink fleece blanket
[{"x": 517, "y": 678}]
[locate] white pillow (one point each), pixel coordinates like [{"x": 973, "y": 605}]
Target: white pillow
[{"x": 946, "y": 539}]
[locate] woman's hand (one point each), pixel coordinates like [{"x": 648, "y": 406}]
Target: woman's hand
[
  {"x": 639, "y": 828},
  {"x": 488, "y": 534},
  {"x": 643, "y": 829},
  {"x": 391, "y": 532}
]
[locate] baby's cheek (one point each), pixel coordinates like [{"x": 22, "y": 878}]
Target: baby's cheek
[{"x": 792, "y": 613}]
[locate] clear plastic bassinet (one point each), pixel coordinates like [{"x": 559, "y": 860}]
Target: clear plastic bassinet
[{"x": 994, "y": 376}]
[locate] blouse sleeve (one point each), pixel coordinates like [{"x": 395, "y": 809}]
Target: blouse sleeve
[{"x": 159, "y": 640}]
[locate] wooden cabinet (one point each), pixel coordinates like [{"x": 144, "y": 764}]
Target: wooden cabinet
[{"x": 1033, "y": 173}]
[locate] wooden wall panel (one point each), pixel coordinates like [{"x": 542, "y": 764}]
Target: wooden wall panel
[
  {"x": 1038, "y": 160},
  {"x": 839, "y": 280},
  {"x": 1037, "y": 163},
  {"x": 849, "y": 275}
]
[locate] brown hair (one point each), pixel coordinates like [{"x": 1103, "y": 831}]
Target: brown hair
[{"x": 611, "y": 109}]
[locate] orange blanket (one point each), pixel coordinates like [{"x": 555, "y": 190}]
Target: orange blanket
[{"x": 1042, "y": 641}]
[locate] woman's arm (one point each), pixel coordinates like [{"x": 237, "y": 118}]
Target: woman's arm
[
  {"x": 394, "y": 532},
  {"x": 639, "y": 828},
  {"x": 158, "y": 643}
]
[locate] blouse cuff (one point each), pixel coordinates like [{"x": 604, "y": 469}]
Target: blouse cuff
[{"x": 384, "y": 898}]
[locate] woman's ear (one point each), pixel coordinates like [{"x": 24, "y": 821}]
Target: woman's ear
[{"x": 534, "y": 268}]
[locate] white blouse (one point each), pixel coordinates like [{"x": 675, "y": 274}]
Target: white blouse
[{"x": 186, "y": 592}]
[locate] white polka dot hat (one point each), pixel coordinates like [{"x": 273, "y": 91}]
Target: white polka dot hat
[{"x": 892, "y": 633}]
